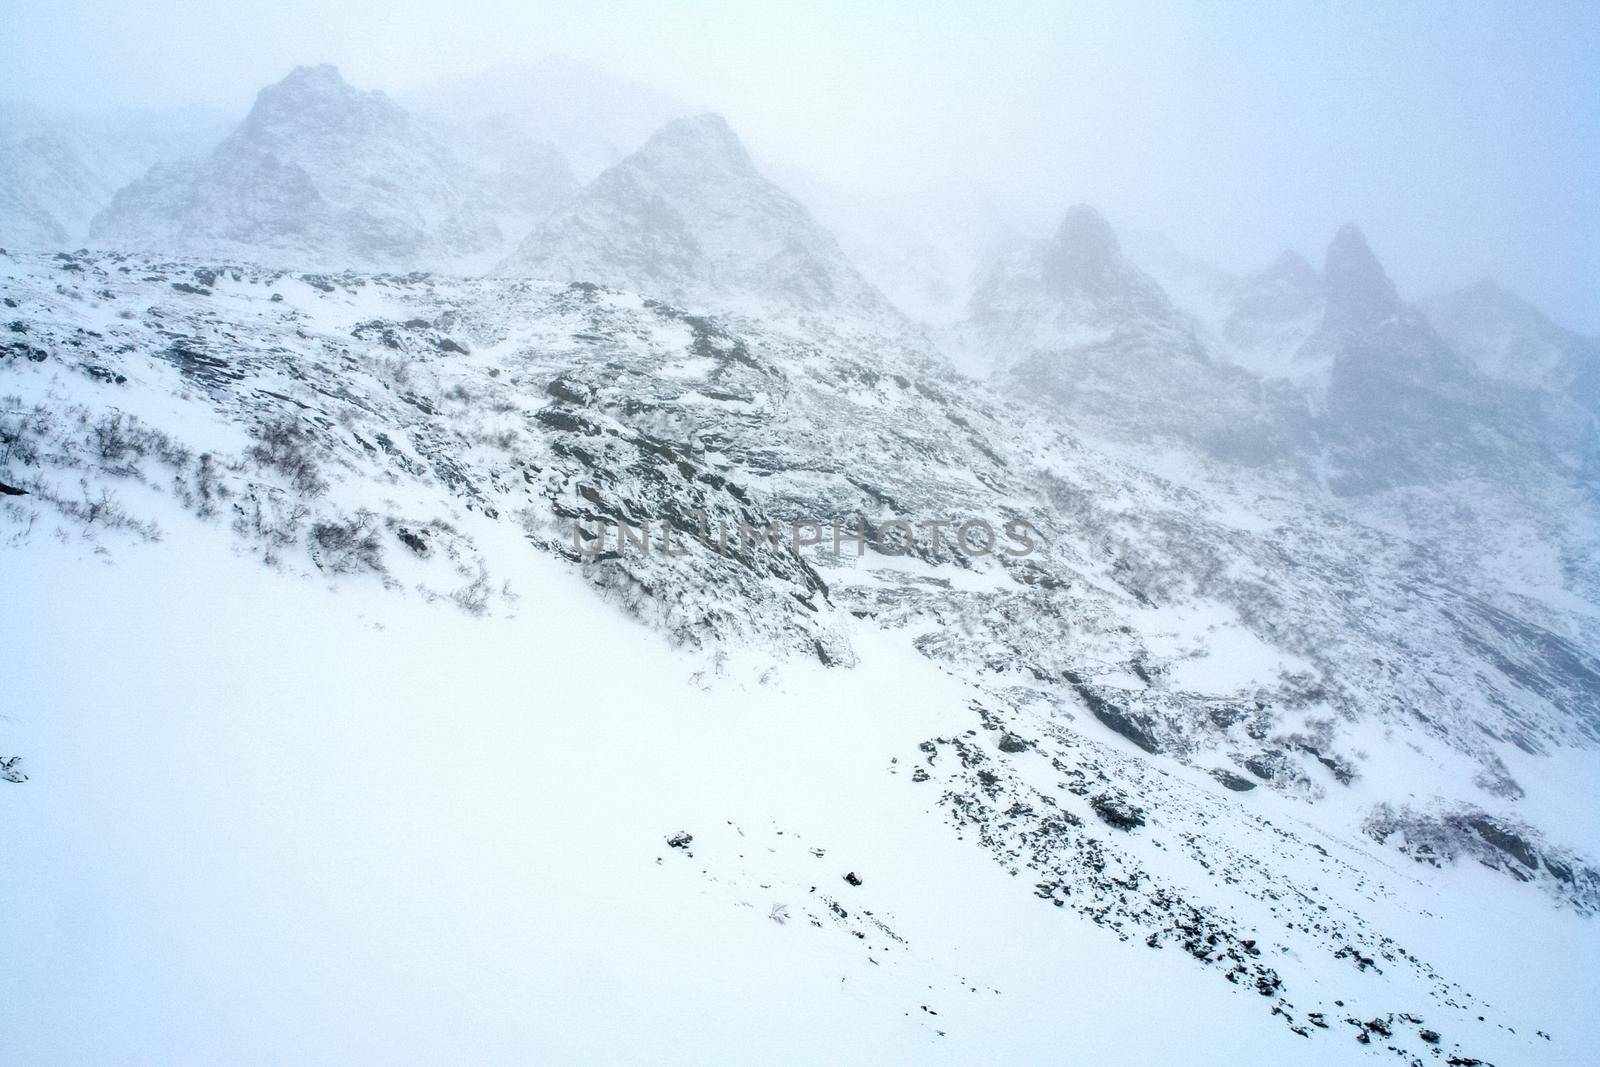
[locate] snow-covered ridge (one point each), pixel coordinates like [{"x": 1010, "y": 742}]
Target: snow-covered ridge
[
  {"x": 1293, "y": 708},
  {"x": 689, "y": 218},
  {"x": 319, "y": 174},
  {"x": 1217, "y": 722}
]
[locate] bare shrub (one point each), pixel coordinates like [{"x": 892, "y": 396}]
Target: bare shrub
[
  {"x": 208, "y": 487},
  {"x": 286, "y": 447},
  {"x": 108, "y": 436},
  {"x": 97, "y": 506},
  {"x": 271, "y": 518},
  {"x": 473, "y": 598},
  {"x": 350, "y": 546},
  {"x": 202, "y": 489},
  {"x": 21, "y": 430}
]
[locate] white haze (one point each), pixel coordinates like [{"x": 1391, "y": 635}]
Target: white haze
[{"x": 1463, "y": 138}]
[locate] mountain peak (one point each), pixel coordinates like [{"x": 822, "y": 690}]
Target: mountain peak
[
  {"x": 319, "y": 173},
  {"x": 1359, "y": 291},
  {"x": 1085, "y": 252},
  {"x": 304, "y": 84},
  {"x": 1086, "y": 233},
  {"x": 318, "y": 98},
  {"x": 689, "y": 218},
  {"x": 706, "y": 138},
  {"x": 322, "y": 75}
]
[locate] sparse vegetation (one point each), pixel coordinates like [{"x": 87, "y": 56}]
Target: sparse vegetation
[
  {"x": 286, "y": 447},
  {"x": 349, "y": 546}
]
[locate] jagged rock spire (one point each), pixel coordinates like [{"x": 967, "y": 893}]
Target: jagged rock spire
[{"x": 1360, "y": 293}]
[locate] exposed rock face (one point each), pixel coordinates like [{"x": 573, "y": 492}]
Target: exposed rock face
[
  {"x": 1329, "y": 377},
  {"x": 319, "y": 176},
  {"x": 689, "y": 217},
  {"x": 1077, "y": 295},
  {"x": 1360, "y": 296},
  {"x": 1161, "y": 642},
  {"x": 1463, "y": 832},
  {"x": 1072, "y": 321}
]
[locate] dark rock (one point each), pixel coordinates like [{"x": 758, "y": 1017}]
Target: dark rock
[
  {"x": 1263, "y": 767},
  {"x": 1117, "y": 813},
  {"x": 1012, "y": 743},
  {"x": 104, "y": 374},
  {"x": 1506, "y": 841},
  {"x": 682, "y": 839},
  {"x": 1235, "y": 782},
  {"x": 1117, "y": 718},
  {"x": 853, "y": 878}
]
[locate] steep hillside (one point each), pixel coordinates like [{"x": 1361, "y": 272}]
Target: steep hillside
[{"x": 1237, "y": 747}]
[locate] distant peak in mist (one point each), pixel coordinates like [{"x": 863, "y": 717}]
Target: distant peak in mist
[
  {"x": 302, "y": 85},
  {"x": 315, "y": 74},
  {"x": 706, "y": 136},
  {"x": 1085, "y": 233},
  {"x": 1359, "y": 290},
  {"x": 318, "y": 98},
  {"x": 1292, "y": 266}
]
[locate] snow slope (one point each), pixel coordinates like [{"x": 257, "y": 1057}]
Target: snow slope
[{"x": 334, "y": 741}]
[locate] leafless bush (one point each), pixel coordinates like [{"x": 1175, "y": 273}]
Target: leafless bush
[
  {"x": 286, "y": 447},
  {"x": 108, "y": 436},
  {"x": 97, "y": 506},
  {"x": 392, "y": 371},
  {"x": 350, "y": 546},
  {"x": 473, "y": 598},
  {"x": 271, "y": 518},
  {"x": 21, "y": 430},
  {"x": 202, "y": 489}
]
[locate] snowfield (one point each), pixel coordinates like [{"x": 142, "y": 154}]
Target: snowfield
[
  {"x": 340, "y": 723},
  {"x": 282, "y": 821},
  {"x": 333, "y": 749}
]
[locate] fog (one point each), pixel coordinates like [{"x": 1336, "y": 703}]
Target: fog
[{"x": 1465, "y": 139}]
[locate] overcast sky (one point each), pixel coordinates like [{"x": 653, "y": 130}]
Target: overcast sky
[{"x": 1463, "y": 137}]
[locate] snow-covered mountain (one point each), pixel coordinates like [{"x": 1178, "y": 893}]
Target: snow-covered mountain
[
  {"x": 1327, "y": 373},
  {"x": 1511, "y": 341},
  {"x": 1261, "y": 752},
  {"x": 1515, "y": 346},
  {"x": 696, "y": 659},
  {"x": 319, "y": 175},
  {"x": 689, "y": 218},
  {"x": 1071, "y": 321},
  {"x": 58, "y": 171}
]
